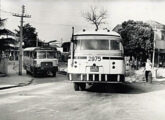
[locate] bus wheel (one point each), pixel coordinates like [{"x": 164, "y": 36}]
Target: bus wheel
[
  {"x": 122, "y": 78},
  {"x": 76, "y": 86},
  {"x": 34, "y": 73},
  {"x": 54, "y": 74},
  {"x": 82, "y": 86},
  {"x": 27, "y": 72}
]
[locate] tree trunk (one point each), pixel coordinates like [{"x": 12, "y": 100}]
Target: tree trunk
[{"x": 97, "y": 27}]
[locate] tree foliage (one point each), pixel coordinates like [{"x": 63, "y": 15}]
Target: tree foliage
[
  {"x": 29, "y": 35},
  {"x": 137, "y": 38},
  {"x": 96, "y": 16}
]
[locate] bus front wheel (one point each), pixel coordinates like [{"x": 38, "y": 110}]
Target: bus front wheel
[
  {"x": 76, "y": 87},
  {"x": 34, "y": 73},
  {"x": 82, "y": 86},
  {"x": 27, "y": 72},
  {"x": 54, "y": 74},
  {"x": 79, "y": 86}
]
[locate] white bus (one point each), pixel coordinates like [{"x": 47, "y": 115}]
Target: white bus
[
  {"x": 40, "y": 60},
  {"x": 96, "y": 57}
]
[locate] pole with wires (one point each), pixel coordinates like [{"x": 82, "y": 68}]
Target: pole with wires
[{"x": 22, "y": 16}]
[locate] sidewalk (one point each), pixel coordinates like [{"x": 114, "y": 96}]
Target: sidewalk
[{"x": 13, "y": 79}]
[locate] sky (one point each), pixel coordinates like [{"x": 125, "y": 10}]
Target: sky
[{"x": 53, "y": 19}]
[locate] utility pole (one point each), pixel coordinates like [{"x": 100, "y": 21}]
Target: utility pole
[
  {"x": 22, "y": 15},
  {"x": 37, "y": 42},
  {"x": 153, "y": 54},
  {"x": 154, "y": 42}
]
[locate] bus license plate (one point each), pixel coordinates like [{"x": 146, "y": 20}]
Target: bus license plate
[
  {"x": 94, "y": 69},
  {"x": 94, "y": 58}
]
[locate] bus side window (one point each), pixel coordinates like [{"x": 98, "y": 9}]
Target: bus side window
[
  {"x": 30, "y": 55},
  {"x": 114, "y": 45},
  {"x": 35, "y": 55},
  {"x": 25, "y": 53}
]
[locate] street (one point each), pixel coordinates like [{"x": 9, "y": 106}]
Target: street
[{"x": 51, "y": 98}]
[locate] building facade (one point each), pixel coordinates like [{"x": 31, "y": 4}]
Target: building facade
[{"x": 159, "y": 37}]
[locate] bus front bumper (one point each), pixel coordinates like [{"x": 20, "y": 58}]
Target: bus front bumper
[
  {"x": 46, "y": 69},
  {"x": 97, "y": 78}
]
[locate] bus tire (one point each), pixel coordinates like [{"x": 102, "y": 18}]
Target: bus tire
[
  {"x": 122, "y": 78},
  {"x": 76, "y": 87},
  {"x": 27, "y": 72},
  {"x": 82, "y": 86},
  {"x": 34, "y": 73},
  {"x": 54, "y": 74}
]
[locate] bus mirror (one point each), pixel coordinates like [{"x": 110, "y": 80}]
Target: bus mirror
[{"x": 73, "y": 41}]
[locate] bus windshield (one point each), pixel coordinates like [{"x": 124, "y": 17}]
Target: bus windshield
[
  {"x": 94, "y": 45},
  {"x": 98, "y": 45},
  {"x": 46, "y": 54},
  {"x": 41, "y": 54},
  {"x": 51, "y": 54}
]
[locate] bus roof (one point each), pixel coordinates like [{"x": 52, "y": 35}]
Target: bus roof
[
  {"x": 38, "y": 48},
  {"x": 99, "y": 32},
  {"x": 30, "y": 48}
]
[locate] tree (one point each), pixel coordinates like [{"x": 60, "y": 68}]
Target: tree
[
  {"x": 96, "y": 17},
  {"x": 29, "y": 35},
  {"x": 137, "y": 39}
]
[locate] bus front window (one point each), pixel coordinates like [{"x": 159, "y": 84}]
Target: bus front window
[
  {"x": 115, "y": 45},
  {"x": 41, "y": 54},
  {"x": 51, "y": 54},
  {"x": 94, "y": 44}
]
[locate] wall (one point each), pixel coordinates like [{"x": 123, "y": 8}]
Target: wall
[{"x": 4, "y": 65}]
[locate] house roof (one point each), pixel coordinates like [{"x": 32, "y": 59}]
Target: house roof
[{"x": 6, "y": 32}]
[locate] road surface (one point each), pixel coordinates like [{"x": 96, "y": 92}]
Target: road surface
[{"x": 51, "y": 98}]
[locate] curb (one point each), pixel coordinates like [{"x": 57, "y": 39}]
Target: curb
[
  {"x": 2, "y": 87},
  {"x": 7, "y": 86}
]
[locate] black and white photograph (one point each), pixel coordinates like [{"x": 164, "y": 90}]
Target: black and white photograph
[{"x": 82, "y": 60}]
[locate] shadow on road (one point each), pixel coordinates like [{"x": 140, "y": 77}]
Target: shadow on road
[{"x": 128, "y": 88}]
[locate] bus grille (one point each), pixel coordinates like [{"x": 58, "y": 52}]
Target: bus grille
[
  {"x": 46, "y": 64},
  {"x": 101, "y": 77},
  {"x": 97, "y": 77}
]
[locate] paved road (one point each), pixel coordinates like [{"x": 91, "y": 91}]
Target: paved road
[{"x": 51, "y": 98}]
